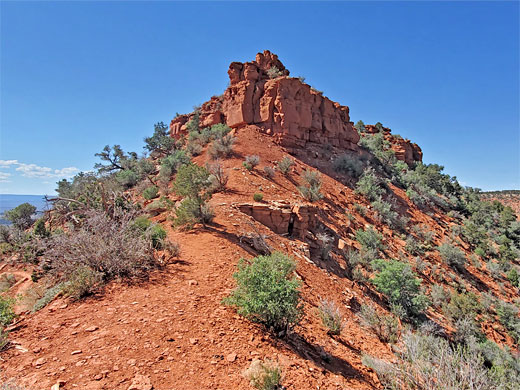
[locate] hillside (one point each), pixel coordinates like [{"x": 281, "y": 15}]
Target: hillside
[
  {"x": 510, "y": 198},
  {"x": 336, "y": 198}
]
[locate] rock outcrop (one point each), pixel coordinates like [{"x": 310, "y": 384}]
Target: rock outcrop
[
  {"x": 283, "y": 218},
  {"x": 262, "y": 93},
  {"x": 404, "y": 149}
]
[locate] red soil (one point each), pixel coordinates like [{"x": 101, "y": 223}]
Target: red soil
[{"x": 173, "y": 328}]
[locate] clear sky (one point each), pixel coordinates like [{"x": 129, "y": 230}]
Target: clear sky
[{"x": 76, "y": 76}]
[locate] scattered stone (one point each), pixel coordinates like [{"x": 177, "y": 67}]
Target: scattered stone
[
  {"x": 91, "y": 328},
  {"x": 98, "y": 377},
  {"x": 194, "y": 341},
  {"x": 192, "y": 282},
  {"x": 76, "y": 352},
  {"x": 141, "y": 382},
  {"x": 231, "y": 357},
  {"x": 39, "y": 362}
]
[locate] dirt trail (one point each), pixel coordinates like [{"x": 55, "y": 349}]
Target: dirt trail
[
  {"x": 173, "y": 333},
  {"x": 171, "y": 329}
]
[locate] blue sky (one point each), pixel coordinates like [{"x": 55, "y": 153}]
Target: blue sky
[{"x": 76, "y": 76}]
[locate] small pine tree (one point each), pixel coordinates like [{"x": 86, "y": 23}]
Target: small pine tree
[
  {"x": 360, "y": 126},
  {"x": 21, "y": 215}
]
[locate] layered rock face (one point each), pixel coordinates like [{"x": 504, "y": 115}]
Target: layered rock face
[
  {"x": 283, "y": 218},
  {"x": 262, "y": 93},
  {"x": 283, "y": 106},
  {"x": 404, "y": 149},
  {"x": 210, "y": 114}
]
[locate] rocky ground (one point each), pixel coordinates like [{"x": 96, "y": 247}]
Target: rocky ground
[{"x": 171, "y": 331}]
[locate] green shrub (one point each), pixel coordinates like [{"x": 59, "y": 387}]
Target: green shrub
[
  {"x": 494, "y": 269},
  {"x": 39, "y": 229},
  {"x": 257, "y": 197},
  {"x": 266, "y": 293},
  {"x": 21, "y": 215},
  {"x": 7, "y": 314},
  {"x": 82, "y": 282},
  {"x": 219, "y": 130},
  {"x": 384, "y": 213},
  {"x": 311, "y": 190},
  {"x": 188, "y": 213},
  {"x": 386, "y": 327},
  {"x": 505, "y": 366},
  {"x": 193, "y": 183},
  {"x": 330, "y": 317},
  {"x": 151, "y": 192},
  {"x": 508, "y": 317},
  {"x": 194, "y": 123},
  {"x": 194, "y": 148},
  {"x": 349, "y": 165},
  {"x": 158, "y": 236},
  {"x": 171, "y": 163},
  {"x": 145, "y": 167},
  {"x": 265, "y": 375},
  {"x": 142, "y": 223},
  {"x": 369, "y": 239},
  {"x": 285, "y": 165},
  {"x": 370, "y": 185},
  {"x": 413, "y": 246},
  {"x": 127, "y": 178},
  {"x": 463, "y": 305},
  {"x": 399, "y": 283},
  {"x": 512, "y": 275},
  {"x": 360, "y": 126},
  {"x": 48, "y": 296},
  {"x": 452, "y": 256}
]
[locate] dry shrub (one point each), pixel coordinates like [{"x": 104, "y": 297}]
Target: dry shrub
[
  {"x": 330, "y": 317},
  {"x": 113, "y": 247},
  {"x": 386, "y": 327},
  {"x": 218, "y": 177},
  {"x": 265, "y": 375},
  {"x": 427, "y": 362}
]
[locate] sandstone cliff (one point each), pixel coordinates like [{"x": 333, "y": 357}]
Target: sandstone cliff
[{"x": 261, "y": 93}]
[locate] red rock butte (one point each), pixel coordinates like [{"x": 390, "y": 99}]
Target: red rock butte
[{"x": 262, "y": 93}]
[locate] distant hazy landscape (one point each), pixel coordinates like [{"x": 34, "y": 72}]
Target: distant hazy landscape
[{"x": 10, "y": 201}]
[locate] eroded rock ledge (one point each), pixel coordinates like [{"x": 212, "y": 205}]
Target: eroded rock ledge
[{"x": 282, "y": 217}]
